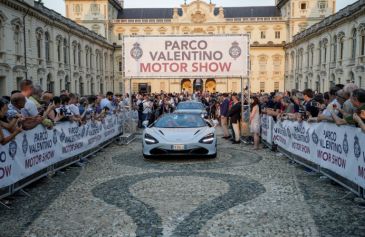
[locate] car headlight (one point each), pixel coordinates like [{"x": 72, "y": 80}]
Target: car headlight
[
  {"x": 208, "y": 139},
  {"x": 149, "y": 139}
]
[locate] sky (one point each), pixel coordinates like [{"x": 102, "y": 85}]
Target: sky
[{"x": 59, "y": 5}]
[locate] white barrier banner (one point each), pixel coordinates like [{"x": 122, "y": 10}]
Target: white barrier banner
[
  {"x": 34, "y": 150},
  {"x": 339, "y": 149},
  {"x": 267, "y": 123},
  {"x": 186, "y": 56}
]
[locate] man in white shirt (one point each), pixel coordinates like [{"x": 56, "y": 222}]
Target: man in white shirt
[
  {"x": 30, "y": 108},
  {"x": 74, "y": 100}
]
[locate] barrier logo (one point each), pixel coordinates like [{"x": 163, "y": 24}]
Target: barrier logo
[
  {"x": 54, "y": 137},
  {"x": 315, "y": 137},
  {"x": 288, "y": 132},
  {"x": 136, "y": 51},
  {"x": 25, "y": 144},
  {"x": 83, "y": 131},
  {"x": 345, "y": 144},
  {"x": 357, "y": 148},
  {"x": 13, "y": 147},
  {"x": 62, "y": 136},
  {"x": 2, "y": 157},
  {"x": 235, "y": 51}
]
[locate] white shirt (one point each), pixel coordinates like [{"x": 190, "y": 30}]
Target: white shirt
[
  {"x": 106, "y": 103},
  {"x": 30, "y": 109},
  {"x": 74, "y": 109},
  {"x": 330, "y": 107}
]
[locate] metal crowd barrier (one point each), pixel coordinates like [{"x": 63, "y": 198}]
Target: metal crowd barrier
[
  {"x": 349, "y": 149},
  {"x": 123, "y": 118}
]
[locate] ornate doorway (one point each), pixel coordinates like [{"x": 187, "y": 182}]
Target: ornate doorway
[
  {"x": 210, "y": 86},
  {"x": 186, "y": 85}
]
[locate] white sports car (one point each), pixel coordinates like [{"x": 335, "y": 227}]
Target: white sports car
[{"x": 180, "y": 135}]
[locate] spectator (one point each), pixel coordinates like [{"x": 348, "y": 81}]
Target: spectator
[
  {"x": 358, "y": 101},
  {"x": 224, "y": 108},
  {"x": 107, "y": 102},
  {"x": 347, "y": 106},
  {"x": 12, "y": 129},
  {"x": 235, "y": 115},
  {"x": 311, "y": 106},
  {"x": 255, "y": 122},
  {"x": 30, "y": 108}
]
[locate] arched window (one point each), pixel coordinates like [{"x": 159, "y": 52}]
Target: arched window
[
  {"x": 59, "y": 47},
  {"x": 91, "y": 58},
  {"x": 87, "y": 56},
  {"x": 79, "y": 54},
  {"x": 354, "y": 42},
  {"x": 362, "y": 42},
  {"x": 67, "y": 84},
  {"x": 352, "y": 78},
  {"x": 120, "y": 66},
  {"x": 334, "y": 59},
  {"x": 92, "y": 87},
  {"x": 65, "y": 51},
  {"x": 74, "y": 52},
  {"x": 325, "y": 43},
  {"x": 2, "y": 36},
  {"x": 97, "y": 59},
  {"x": 50, "y": 83},
  {"x": 17, "y": 38},
  {"x": 342, "y": 45},
  {"x": 47, "y": 46},
  {"x": 39, "y": 34},
  {"x": 81, "y": 86}
]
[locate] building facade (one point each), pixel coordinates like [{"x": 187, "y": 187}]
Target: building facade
[
  {"x": 41, "y": 45},
  {"x": 330, "y": 52},
  {"x": 270, "y": 29}
]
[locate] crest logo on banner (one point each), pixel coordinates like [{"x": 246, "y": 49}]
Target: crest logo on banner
[
  {"x": 315, "y": 137},
  {"x": 83, "y": 131},
  {"x": 136, "y": 51},
  {"x": 62, "y": 136},
  {"x": 54, "y": 137},
  {"x": 357, "y": 148},
  {"x": 235, "y": 51},
  {"x": 13, "y": 147},
  {"x": 288, "y": 132},
  {"x": 25, "y": 144},
  {"x": 345, "y": 144}
]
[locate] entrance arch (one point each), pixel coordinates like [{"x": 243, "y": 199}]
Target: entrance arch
[
  {"x": 210, "y": 86},
  {"x": 198, "y": 85},
  {"x": 186, "y": 85}
]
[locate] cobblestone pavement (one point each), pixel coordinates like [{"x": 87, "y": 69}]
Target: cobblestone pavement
[{"x": 241, "y": 193}]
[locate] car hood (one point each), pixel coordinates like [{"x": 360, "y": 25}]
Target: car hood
[{"x": 179, "y": 134}]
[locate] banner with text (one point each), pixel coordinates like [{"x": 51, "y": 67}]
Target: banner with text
[
  {"x": 186, "y": 56},
  {"x": 338, "y": 149},
  {"x": 39, "y": 148}
]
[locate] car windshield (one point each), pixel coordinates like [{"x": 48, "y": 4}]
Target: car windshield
[
  {"x": 180, "y": 121},
  {"x": 190, "y": 106}
]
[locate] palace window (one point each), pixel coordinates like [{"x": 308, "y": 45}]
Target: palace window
[
  {"x": 120, "y": 66},
  {"x": 303, "y": 6},
  {"x": 362, "y": 38},
  {"x": 94, "y": 8},
  {"x": 77, "y": 8},
  {"x": 276, "y": 86},
  {"x": 354, "y": 42},
  {"x": 263, "y": 35},
  {"x": 91, "y": 58},
  {"x": 320, "y": 52},
  {"x": 324, "y": 51},
  {"x": 1, "y": 34},
  {"x": 342, "y": 44},
  {"x": 277, "y": 34},
  {"x": 39, "y": 43},
  {"x": 47, "y": 46},
  {"x": 262, "y": 86},
  {"x": 334, "y": 48},
  {"x": 322, "y": 5},
  {"x": 17, "y": 38},
  {"x": 64, "y": 51},
  {"x": 87, "y": 56},
  {"x": 59, "y": 46},
  {"x": 79, "y": 54}
]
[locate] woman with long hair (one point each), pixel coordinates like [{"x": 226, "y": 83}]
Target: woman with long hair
[{"x": 255, "y": 121}]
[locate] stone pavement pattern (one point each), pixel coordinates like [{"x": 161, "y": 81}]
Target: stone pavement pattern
[{"x": 241, "y": 193}]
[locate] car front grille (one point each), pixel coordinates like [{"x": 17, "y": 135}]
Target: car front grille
[{"x": 196, "y": 151}]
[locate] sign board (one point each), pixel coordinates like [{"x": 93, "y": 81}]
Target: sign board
[{"x": 186, "y": 56}]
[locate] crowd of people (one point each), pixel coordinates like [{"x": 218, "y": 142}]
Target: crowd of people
[{"x": 31, "y": 106}]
